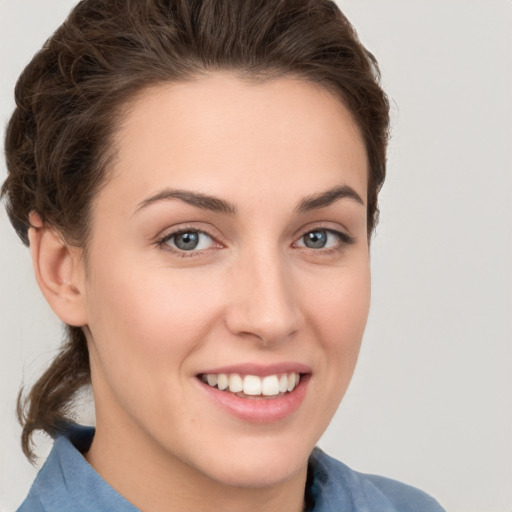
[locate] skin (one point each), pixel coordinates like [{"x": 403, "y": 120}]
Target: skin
[{"x": 253, "y": 293}]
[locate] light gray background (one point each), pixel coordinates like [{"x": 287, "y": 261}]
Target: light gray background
[{"x": 431, "y": 401}]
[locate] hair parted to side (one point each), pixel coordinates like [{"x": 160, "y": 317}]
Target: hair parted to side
[{"x": 70, "y": 98}]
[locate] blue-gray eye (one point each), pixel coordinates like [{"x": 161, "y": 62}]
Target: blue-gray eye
[
  {"x": 315, "y": 239},
  {"x": 321, "y": 239},
  {"x": 189, "y": 240}
]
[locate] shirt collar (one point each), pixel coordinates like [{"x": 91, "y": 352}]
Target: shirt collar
[{"x": 68, "y": 483}]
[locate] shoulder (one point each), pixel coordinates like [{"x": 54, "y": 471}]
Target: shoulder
[
  {"x": 31, "y": 504},
  {"x": 404, "y": 497},
  {"x": 335, "y": 486},
  {"x": 67, "y": 483}
]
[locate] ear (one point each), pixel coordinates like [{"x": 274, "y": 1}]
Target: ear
[{"x": 59, "y": 272}]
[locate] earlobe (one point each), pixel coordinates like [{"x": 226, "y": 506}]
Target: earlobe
[{"x": 59, "y": 273}]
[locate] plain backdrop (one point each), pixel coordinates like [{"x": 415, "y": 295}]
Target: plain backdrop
[{"x": 431, "y": 401}]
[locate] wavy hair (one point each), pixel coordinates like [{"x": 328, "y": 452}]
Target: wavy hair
[{"x": 71, "y": 95}]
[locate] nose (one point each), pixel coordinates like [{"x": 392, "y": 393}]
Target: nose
[{"x": 263, "y": 301}]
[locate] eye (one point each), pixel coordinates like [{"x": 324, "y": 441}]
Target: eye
[
  {"x": 189, "y": 240},
  {"x": 323, "y": 239}
]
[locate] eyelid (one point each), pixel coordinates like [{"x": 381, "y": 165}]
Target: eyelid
[
  {"x": 343, "y": 241},
  {"x": 162, "y": 239},
  {"x": 341, "y": 231},
  {"x": 183, "y": 227}
]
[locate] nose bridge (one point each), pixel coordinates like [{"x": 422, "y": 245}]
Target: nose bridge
[{"x": 265, "y": 304}]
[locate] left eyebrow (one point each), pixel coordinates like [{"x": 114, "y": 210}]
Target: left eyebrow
[
  {"x": 324, "y": 199},
  {"x": 196, "y": 199}
]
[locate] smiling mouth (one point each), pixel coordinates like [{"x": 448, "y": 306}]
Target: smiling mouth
[{"x": 253, "y": 386}]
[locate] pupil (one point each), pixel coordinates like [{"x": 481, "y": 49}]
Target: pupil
[
  {"x": 315, "y": 239},
  {"x": 187, "y": 241}
]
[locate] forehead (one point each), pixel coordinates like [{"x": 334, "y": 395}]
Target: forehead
[{"x": 216, "y": 131}]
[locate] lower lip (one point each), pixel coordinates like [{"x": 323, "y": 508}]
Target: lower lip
[{"x": 259, "y": 410}]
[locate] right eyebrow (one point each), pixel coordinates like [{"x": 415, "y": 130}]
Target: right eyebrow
[
  {"x": 203, "y": 201},
  {"x": 324, "y": 199}
]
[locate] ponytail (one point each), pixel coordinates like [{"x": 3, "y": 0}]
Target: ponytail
[{"x": 48, "y": 405}]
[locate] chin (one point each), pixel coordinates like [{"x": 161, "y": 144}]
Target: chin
[
  {"x": 258, "y": 466},
  {"x": 247, "y": 474}
]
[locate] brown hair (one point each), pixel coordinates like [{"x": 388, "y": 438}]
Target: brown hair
[{"x": 70, "y": 96}]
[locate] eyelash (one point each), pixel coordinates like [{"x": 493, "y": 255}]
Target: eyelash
[
  {"x": 344, "y": 240},
  {"x": 162, "y": 242}
]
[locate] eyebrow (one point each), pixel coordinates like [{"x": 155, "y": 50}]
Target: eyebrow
[
  {"x": 324, "y": 199},
  {"x": 197, "y": 199},
  {"x": 207, "y": 202}
]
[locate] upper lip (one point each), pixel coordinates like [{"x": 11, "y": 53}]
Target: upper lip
[{"x": 260, "y": 370}]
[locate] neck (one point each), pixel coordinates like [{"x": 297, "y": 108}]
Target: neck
[{"x": 155, "y": 481}]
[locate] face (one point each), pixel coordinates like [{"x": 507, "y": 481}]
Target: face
[{"x": 229, "y": 248}]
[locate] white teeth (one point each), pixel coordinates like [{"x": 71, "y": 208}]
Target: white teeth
[
  {"x": 235, "y": 383},
  {"x": 291, "y": 382},
  {"x": 270, "y": 385},
  {"x": 212, "y": 379},
  {"x": 222, "y": 381},
  {"x": 283, "y": 383},
  {"x": 252, "y": 385}
]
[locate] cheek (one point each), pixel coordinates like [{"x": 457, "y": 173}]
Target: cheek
[
  {"x": 340, "y": 306},
  {"x": 339, "y": 313},
  {"x": 144, "y": 325},
  {"x": 145, "y": 314}
]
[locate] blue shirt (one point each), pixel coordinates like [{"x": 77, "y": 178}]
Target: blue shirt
[{"x": 67, "y": 483}]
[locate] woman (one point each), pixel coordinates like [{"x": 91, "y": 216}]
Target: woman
[{"x": 198, "y": 184}]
